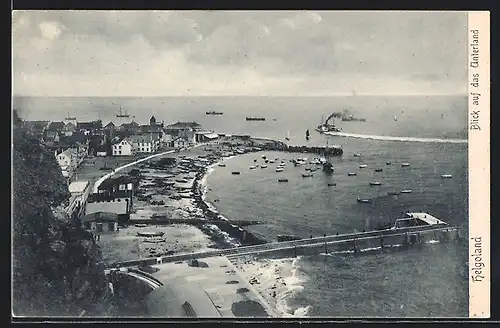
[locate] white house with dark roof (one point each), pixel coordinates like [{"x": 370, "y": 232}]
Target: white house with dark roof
[{"x": 124, "y": 147}]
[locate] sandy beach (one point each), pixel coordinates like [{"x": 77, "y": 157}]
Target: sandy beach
[{"x": 172, "y": 186}]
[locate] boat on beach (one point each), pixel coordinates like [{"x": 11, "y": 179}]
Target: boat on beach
[
  {"x": 279, "y": 169},
  {"x": 307, "y": 175},
  {"x": 263, "y": 166},
  {"x": 222, "y": 165}
]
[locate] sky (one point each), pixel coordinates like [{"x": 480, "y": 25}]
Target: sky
[{"x": 252, "y": 53}]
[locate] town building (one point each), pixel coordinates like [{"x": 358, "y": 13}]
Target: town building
[
  {"x": 131, "y": 128},
  {"x": 205, "y": 136},
  {"x": 79, "y": 191},
  {"x": 69, "y": 129},
  {"x": 113, "y": 196},
  {"x": 145, "y": 143},
  {"x": 90, "y": 128},
  {"x": 123, "y": 147},
  {"x": 100, "y": 222}
]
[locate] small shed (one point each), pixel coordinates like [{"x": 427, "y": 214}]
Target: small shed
[{"x": 100, "y": 222}]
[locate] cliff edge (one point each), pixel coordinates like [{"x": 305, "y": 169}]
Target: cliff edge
[{"x": 56, "y": 265}]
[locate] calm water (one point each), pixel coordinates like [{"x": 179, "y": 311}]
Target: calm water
[{"x": 431, "y": 281}]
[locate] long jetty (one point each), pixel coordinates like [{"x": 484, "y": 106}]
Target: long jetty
[{"x": 346, "y": 242}]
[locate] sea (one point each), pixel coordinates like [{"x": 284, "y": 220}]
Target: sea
[{"x": 429, "y": 132}]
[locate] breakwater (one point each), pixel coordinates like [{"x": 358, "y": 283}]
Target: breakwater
[
  {"x": 356, "y": 243},
  {"x": 165, "y": 220},
  {"x": 273, "y": 145}
]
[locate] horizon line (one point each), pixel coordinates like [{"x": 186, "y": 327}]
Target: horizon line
[{"x": 240, "y": 95}]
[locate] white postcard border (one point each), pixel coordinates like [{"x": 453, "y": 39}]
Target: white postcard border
[{"x": 479, "y": 163}]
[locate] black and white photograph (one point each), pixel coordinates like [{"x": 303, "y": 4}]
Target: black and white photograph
[{"x": 245, "y": 164}]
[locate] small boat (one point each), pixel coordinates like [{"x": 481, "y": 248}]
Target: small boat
[
  {"x": 122, "y": 114},
  {"x": 332, "y": 184},
  {"x": 406, "y": 191},
  {"x": 266, "y": 161},
  {"x": 279, "y": 169},
  {"x": 271, "y": 161},
  {"x": 213, "y": 113},
  {"x": 308, "y": 169},
  {"x": 263, "y": 156},
  {"x": 255, "y": 160},
  {"x": 393, "y": 193},
  {"x": 378, "y": 170},
  {"x": 351, "y": 174},
  {"x": 307, "y": 175},
  {"x": 222, "y": 165},
  {"x": 307, "y": 134},
  {"x": 357, "y": 155},
  {"x": 140, "y": 225},
  {"x": 375, "y": 183},
  {"x": 263, "y": 166},
  {"x": 395, "y": 118},
  {"x": 70, "y": 118},
  {"x": 276, "y": 159},
  {"x": 362, "y": 166},
  {"x": 364, "y": 200},
  {"x": 253, "y": 167},
  {"x": 405, "y": 164},
  {"x": 235, "y": 173},
  {"x": 287, "y": 138},
  {"x": 282, "y": 180},
  {"x": 388, "y": 163},
  {"x": 446, "y": 176},
  {"x": 255, "y": 118},
  {"x": 150, "y": 234}
]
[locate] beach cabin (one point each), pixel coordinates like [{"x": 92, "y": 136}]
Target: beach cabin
[
  {"x": 205, "y": 136},
  {"x": 100, "y": 222}
]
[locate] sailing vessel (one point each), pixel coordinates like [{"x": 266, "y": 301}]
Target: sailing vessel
[
  {"x": 395, "y": 118},
  {"x": 288, "y": 136},
  {"x": 122, "y": 114},
  {"x": 327, "y": 165},
  {"x": 70, "y": 118},
  {"x": 307, "y": 134}
]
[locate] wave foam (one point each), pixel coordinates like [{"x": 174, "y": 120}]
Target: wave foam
[
  {"x": 391, "y": 138},
  {"x": 279, "y": 280}
]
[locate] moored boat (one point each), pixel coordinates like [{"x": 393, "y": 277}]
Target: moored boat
[
  {"x": 307, "y": 175},
  {"x": 331, "y": 184},
  {"x": 393, "y": 193},
  {"x": 357, "y": 155},
  {"x": 405, "y": 164},
  {"x": 378, "y": 170},
  {"x": 362, "y": 166},
  {"x": 351, "y": 174},
  {"x": 406, "y": 191},
  {"x": 263, "y": 166},
  {"x": 364, "y": 200},
  {"x": 235, "y": 173},
  {"x": 222, "y": 165},
  {"x": 375, "y": 183},
  {"x": 279, "y": 169},
  {"x": 446, "y": 176},
  {"x": 388, "y": 163},
  {"x": 283, "y": 180}
]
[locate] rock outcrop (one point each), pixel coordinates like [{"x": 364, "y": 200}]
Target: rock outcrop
[{"x": 56, "y": 265}]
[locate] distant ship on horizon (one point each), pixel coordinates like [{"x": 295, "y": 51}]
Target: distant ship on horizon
[
  {"x": 213, "y": 113},
  {"x": 255, "y": 118},
  {"x": 122, "y": 114}
]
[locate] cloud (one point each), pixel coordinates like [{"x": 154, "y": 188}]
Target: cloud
[{"x": 237, "y": 52}]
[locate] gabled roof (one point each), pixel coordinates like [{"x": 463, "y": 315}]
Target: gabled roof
[
  {"x": 110, "y": 125},
  {"x": 180, "y": 125},
  {"x": 147, "y": 137},
  {"x": 56, "y": 126},
  {"x": 132, "y": 124}
]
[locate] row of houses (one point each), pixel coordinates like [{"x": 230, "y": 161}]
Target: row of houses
[{"x": 127, "y": 139}]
